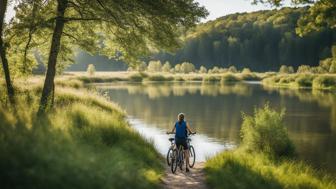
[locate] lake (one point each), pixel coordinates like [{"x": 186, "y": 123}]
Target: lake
[{"x": 215, "y": 113}]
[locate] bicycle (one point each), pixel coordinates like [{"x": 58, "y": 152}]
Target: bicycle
[{"x": 175, "y": 157}]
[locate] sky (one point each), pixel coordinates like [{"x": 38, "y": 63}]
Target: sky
[{"x": 216, "y": 8}]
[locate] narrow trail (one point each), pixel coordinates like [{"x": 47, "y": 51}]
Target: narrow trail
[{"x": 195, "y": 179}]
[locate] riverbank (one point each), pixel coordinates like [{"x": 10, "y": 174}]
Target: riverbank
[
  {"x": 265, "y": 159},
  {"x": 83, "y": 142},
  {"x": 269, "y": 79}
]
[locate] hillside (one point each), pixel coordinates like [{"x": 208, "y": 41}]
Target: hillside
[{"x": 261, "y": 40}]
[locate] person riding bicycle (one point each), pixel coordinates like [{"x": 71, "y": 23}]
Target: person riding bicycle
[{"x": 181, "y": 129}]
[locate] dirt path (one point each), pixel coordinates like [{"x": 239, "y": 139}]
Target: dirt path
[{"x": 195, "y": 179}]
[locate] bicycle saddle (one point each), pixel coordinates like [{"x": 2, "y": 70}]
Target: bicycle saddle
[{"x": 171, "y": 139}]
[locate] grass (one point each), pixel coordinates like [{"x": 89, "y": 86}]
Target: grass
[
  {"x": 237, "y": 169},
  {"x": 83, "y": 142},
  {"x": 264, "y": 159}
]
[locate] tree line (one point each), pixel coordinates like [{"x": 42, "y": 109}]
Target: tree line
[{"x": 262, "y": 41}]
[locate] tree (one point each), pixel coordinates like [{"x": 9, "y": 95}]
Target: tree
[
  {"x": 131, "y": 28},
  {"x": 4, "y": 60},
  {"x": 283, "y": 69},
  {"x": 187, "y": 67},
  {"x": 233, "y": 69},
  {"x": 246, "y": 71},
  {"x": 91, "y": 70},
  {"x": 203, "y": 70},
  {"x": 154, "y": 66},
  {"x": 166, "y": 67},
  {"x": 303, "y": 69},
  {"x": 177, "y": 68},
  {"x": 142, "y": 67}
]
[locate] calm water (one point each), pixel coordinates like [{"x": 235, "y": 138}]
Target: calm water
[{"x": 214, "y": 111}]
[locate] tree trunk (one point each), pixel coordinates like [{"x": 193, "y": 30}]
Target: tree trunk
[
  {"x": 10, "y": 89},
  {"x": 47, "y": 92}
]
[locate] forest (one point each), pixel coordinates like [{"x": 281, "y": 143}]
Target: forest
[{"x": 261, "y": 41}]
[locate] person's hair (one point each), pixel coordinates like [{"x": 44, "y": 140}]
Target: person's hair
[{"x": 180, "y": 117}]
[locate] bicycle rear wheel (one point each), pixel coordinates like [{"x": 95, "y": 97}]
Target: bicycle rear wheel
[
  {"x": 192, "y": 156},
  {"x": 174, "y": 160}
]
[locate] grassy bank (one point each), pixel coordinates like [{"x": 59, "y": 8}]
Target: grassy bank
[
  {"x": 298, "y": 81},
  {"x": 84, "y": 142},
  {"x": 265, "y": 159}
]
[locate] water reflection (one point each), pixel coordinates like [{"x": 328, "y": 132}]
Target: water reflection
[
  {"x": 204, "y": 146},
  {"x": 214, "y": 111}
]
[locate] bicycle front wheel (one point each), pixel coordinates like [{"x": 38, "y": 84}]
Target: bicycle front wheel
[
  {"x": 174, "y": 161},
  {"x": 192, "y": 156},
  {"x": 169, "y": 156}
]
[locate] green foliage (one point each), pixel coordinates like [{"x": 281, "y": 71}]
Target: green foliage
[
  {"x": 91, "y": 70},
  {"x": 166, "y": 67},
  {"x": 154, "y": 66},
  {"x": 303, "y": 69},
  {"x": 260, "y": 40},
  {"x": 141, "y": 67},
  {"x": 257, "y": 163},
  {"x": 324, "y": 82},
  {"x": 286, "y": 69},
  {"x": 237, "y": 169},
  {"x": 203, "y": 70},
  {"x": 157, "y": 77},
  {"x": 211, "y": 78},
  {"x": 229, "y": 78},
  {"x": 187, "y": 67},
  {"x": 304, "y": 80},
  {"x": 232, "y": 69},
  {"x": 246, "y": 71},
  {"x": 265, "y": 132},
  {"x": 136, "y": 77},
  {"x": 84, "y": 142}
]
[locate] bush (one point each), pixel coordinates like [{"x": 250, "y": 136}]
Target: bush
[
  {"x": 249, "y": 77},
  {"x": 324, "y": 82},
  {"x": 265, "y": 132},
  {"x": 304, "y": 80},
  {"x": 211, "y": 78},
  {"x": 229, "y": 78},
  {"x": 203, "y": 70},
  {"x": 246, "y": 71},
  {"x": 91, "y": 70},
  {"x": 233, "y": 69},
  {"x": 136, "y": 77},
  {"x": 303, "y": 69},
  {"x": 158, "y": 77}
]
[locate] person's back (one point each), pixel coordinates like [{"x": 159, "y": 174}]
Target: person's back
[{"x": 180, "y": 129}]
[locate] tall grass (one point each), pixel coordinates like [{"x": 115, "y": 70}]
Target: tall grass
[
  {"x": 263, "y": 159},
  {"x": 84, "y": 142}
]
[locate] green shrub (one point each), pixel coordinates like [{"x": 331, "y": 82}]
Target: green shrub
[
  {"x": 304, "y": 80},
  {"x": 265, "y": 132},
  {"x": 324, "y": 82},
  {"x": 229, "y": 78},
  {"x": 73, "y": 83},
  {"x": 91, "y": 70},
  {"x": 249, "y": 77},
  {"x": 157, "y": 77},
  {"x": 211, "y": 78},
  {"x": 135, "y": 77},
  {"x": 179, "y": 78}
]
